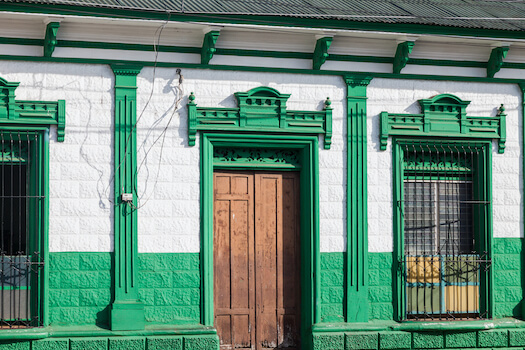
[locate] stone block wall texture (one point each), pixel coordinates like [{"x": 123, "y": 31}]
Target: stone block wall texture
[
  {"x": 508, "y": 265},
  {"x": 380, "y": 286},
  {"x": 170, "y": 287},
  {"x": 201, "y": 342},
  {"x": 80, "y": 214},
  {"x": 332, "y": 287},
  {"x": 80, "y": 288},
  {"x": 404, "y": 340}
]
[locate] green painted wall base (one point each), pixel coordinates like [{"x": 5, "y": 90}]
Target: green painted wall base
[
  {"x": 127, "y": 316},
  {"x": 398, "y": 340},
  {"x": 208, "y": 342}
]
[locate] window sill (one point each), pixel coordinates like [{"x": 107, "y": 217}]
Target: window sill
[{"x": 414, "y": 326}]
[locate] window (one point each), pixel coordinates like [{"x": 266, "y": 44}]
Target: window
[
  {"x": 443, "y": 224},
  {"x": 21, "y": 225}
]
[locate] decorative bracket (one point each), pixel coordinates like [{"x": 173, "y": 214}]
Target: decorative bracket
[
  {"x": 444, "y": 116},
  {"x": 262, "y": 109},
  {"x": 50, "y": 40},
  {"x": 401, "y": 57},
  {"x": 208, "y": 46},
  {"x": 496, "y": 60},
  {"x": 14, "y": 112},
  {"x": 321, "y": 51}
]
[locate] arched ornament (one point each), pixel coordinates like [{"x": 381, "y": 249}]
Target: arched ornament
[
  {"x": 262, "y": 109},
  {"x": 444, "y": 116},
  {"x": 13, "y": 112}
]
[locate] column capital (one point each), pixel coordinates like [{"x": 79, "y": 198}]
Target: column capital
[{"x": 355, "y": 80}]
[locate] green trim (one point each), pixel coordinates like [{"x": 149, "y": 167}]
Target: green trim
[
  {"x": 246, "y": 158},
  {"x": 127, "y": 311},
  {"x": 307, "y": 148},
  {"x": 43, "y": 302},
  {"x": 253, "y": 53},
  {"x": 418, "y": 326},
  {"x": 443, "y": 116},
  {"x": 262, "y": 109},
  {"x": 50, "y": 40},
  {"x": 321, "y": 51},
  {"x": 25, "y": 113},
  {"x": 522, "y": 89},
  {"x": 496, "y": 60},
  {"x": 265, "y": 69},
  {"x": 356, "y": 200},
  {"x": 483, "y": 185},
  {"x": 38, "y": 218},
  {"x": 208, "y": 46},
  {"x": 94, "y": 331},
  {"x": 401, "y": 57}
]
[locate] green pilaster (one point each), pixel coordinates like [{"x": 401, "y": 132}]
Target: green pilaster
[
  {"x": 522, "y": 88},
  {"x": 127, "y": 312},
  {"x": 356, "y": 206}
]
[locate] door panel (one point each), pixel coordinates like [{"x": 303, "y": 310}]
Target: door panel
[
  {"x": 233, "y": 260},
  {"x": 256, "y": 260}
]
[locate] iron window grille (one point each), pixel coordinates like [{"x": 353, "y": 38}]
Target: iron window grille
[
  {"x": 444, "y": 209},
  {"x": 21, "y": 220}
]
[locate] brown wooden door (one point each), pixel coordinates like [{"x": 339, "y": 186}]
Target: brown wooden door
[{"x": 257, "y": 260}]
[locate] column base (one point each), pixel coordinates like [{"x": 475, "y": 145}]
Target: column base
[{"x": 127, "y": 316}]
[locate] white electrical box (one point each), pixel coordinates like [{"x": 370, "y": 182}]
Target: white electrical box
[{"x": 127, "y": 197}]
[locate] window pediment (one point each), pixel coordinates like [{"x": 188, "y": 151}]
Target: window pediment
[
  {"x": 262, "y": 109},
  {"x": 444, "y": 115},
  {"x": 30, "y": 112}
]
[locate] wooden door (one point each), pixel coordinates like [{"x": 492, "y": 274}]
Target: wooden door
[{"x": 257, "y": 260}]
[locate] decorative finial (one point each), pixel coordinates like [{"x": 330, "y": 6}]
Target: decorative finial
[
  {"x": 501, "y": 109},
  {"x": 192, "y": 97},
  {"x": 327, "y": 103}
]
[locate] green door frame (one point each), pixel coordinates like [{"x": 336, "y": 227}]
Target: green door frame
[{"x": 307, "y": 148}]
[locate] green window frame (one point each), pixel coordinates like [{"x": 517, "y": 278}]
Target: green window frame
[
  {"x": 24, "y": 164},
  {"x": 444, "y": 121},
  {"x": 433, "y": 268},
  {"x": 24, "y": 150}
]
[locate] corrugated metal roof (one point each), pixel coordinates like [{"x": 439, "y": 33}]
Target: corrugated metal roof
[{"x": 481, "y": 14}]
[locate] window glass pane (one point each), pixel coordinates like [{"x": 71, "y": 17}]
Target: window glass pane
[{"x": 419, "y": 218}]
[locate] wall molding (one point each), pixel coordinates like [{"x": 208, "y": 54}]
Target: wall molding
[
  {"x": 444, "y": 115},
  {"x": 262, "y": 109},
  {"x": 15, "y": 112}
]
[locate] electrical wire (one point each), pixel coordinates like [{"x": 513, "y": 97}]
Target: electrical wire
[
  {"x": 156, "y": 42},
  {"x": 162, "y": 136}
]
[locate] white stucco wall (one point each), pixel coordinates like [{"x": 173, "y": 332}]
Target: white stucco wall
[
  {"x": 80, "y": 215},
  {"x": 168, "y": 176},
  {"x": 169, "y": 220},
  {"x": 400, "y": 96}
]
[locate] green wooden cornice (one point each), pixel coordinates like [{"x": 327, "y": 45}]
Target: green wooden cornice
[
  {"x": 401, "y": 57},
  {"x": 262, "y": 109},
  {"x": 30, "y": 112},
  {"x": 321, "y": 51},
  {"x": 444, "y": 116},
  {"x": 50, "y": 39},
  {"x": 208, "y": 46},
  {"x": 496, "y": 60}
]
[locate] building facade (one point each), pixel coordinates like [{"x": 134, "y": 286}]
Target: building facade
[{"x": 229, "y": 178}]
